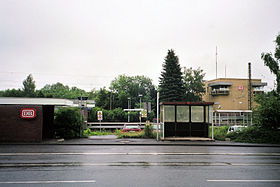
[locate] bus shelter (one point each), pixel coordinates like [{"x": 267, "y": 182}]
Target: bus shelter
[{"x": 185, "y": 119}]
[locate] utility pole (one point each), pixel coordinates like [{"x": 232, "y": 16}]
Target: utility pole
[
  {"x": 249, "y": 87},
  {"x": 216, "y": 62},
  {"x": 157, "y": 115}
]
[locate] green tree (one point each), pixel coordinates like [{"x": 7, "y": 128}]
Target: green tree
[
  {"x": 267, "y": 113},
  {"x": 29, "y": 86},
  {"x": 102, "y": 98},
  {"x": 59, "y": 90},
  {"x": 171, "y": 83},
  {"x": 75, "y": 92},
  {"x": 125, "y": 87},
  {"x": 273, "y": 63},
  {"x": 193, "y": 84},
  {"x": 12, "y": 93}
]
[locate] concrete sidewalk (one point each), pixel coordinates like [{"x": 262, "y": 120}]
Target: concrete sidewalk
[{"x": 113, "y": 140}]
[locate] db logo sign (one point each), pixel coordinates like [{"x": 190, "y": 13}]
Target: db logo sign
[{"x": 28, "y": 113}]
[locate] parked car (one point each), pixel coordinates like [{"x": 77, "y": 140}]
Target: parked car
[
  {"x": 131, "y": 128},
  {"x": 236, "y": 128}
]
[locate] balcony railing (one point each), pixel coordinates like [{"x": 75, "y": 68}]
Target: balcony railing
[{"x": 217, "y": 92}]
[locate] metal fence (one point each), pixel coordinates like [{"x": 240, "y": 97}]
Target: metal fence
[
  {"x": 111, "y": 125},
  {"x": 230, "y": 118}
]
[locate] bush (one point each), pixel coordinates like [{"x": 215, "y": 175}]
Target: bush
[
  {"x": 255, "y": 134},
  {"x": 148, "y": 131},
  {"x": 67, "y": 122},
  {"x": 131, "y": 135},
  {"x": 220, "y": 133},
  {"x": 89, "y": 132}
]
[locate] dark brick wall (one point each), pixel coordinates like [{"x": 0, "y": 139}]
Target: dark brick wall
[{"x": 14, "y": 129}]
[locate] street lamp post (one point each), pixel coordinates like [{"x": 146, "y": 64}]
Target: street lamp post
[
  {"x": 140, "y": 95},
  {"x": 128, "y": 120},
  {"x": 157, "y": 115}
]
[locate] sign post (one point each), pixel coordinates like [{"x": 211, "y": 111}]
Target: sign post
[
  {"x": 99, "y": 118},
  {"x": 144, "y": 113}
]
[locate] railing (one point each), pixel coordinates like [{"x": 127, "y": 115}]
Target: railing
[
  {"x": 112, "y": 125},
  {"x": 229, "y": 120},
  {"x": 217, "y": 92}
]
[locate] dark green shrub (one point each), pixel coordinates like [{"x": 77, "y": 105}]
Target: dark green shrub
[
  {"x": 67, "y": 122},
  {"x": 255, "y": 134},
  {"x": 130, "y": 134},
  {"x": 87, "y": 132},
  {"x": 220, "y": 133},
  {"x": 148, "y": 131}
]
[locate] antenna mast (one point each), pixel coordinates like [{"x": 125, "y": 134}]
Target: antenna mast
[{"x": 216, "y": 62}]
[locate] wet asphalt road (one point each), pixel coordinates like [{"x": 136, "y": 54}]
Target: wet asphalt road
[{"x": 121, "y": 165}]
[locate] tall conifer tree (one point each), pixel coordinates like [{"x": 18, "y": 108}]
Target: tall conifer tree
[
  {"x": 29, "y": 86},
  {"x": 171, "y": 81}
]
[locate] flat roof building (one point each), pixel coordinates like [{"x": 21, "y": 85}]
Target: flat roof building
[
  {"x": 28, "y": 119},
  {"x": 231, "y": 99},
  {"x": 231, "y": 93}
]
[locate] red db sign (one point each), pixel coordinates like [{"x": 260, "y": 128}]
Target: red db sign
[{"x": 28, "y": 113}]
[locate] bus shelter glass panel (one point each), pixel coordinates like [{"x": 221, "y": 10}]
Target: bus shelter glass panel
[
  {"x": 169, "y": 113},
  {"x": 197, "y": 114},
  {"x": 161, "y": 113},
  {"x": 182, "y": 114},
  {"x": 207, "y": 114}
]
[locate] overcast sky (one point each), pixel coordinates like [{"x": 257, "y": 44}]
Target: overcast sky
[{"x": 89, "y": 43}]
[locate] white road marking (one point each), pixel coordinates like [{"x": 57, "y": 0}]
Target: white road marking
[
  {"x": 46, "y": 182},
  {"x": 243, "y": 180},
  {"x": 148, "y": 153},
  {"x": 135, "y": 164}
]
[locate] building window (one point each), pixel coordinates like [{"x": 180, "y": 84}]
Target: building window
[
  {"x": 258, "y": 90},
  {"x": 220, "y": 90}
]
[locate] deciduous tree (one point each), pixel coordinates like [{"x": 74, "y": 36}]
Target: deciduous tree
[
  {"x": 274, "y": 63},
  {"x": 193, "y": 84},
  {"x": 131, "y": 87}
]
